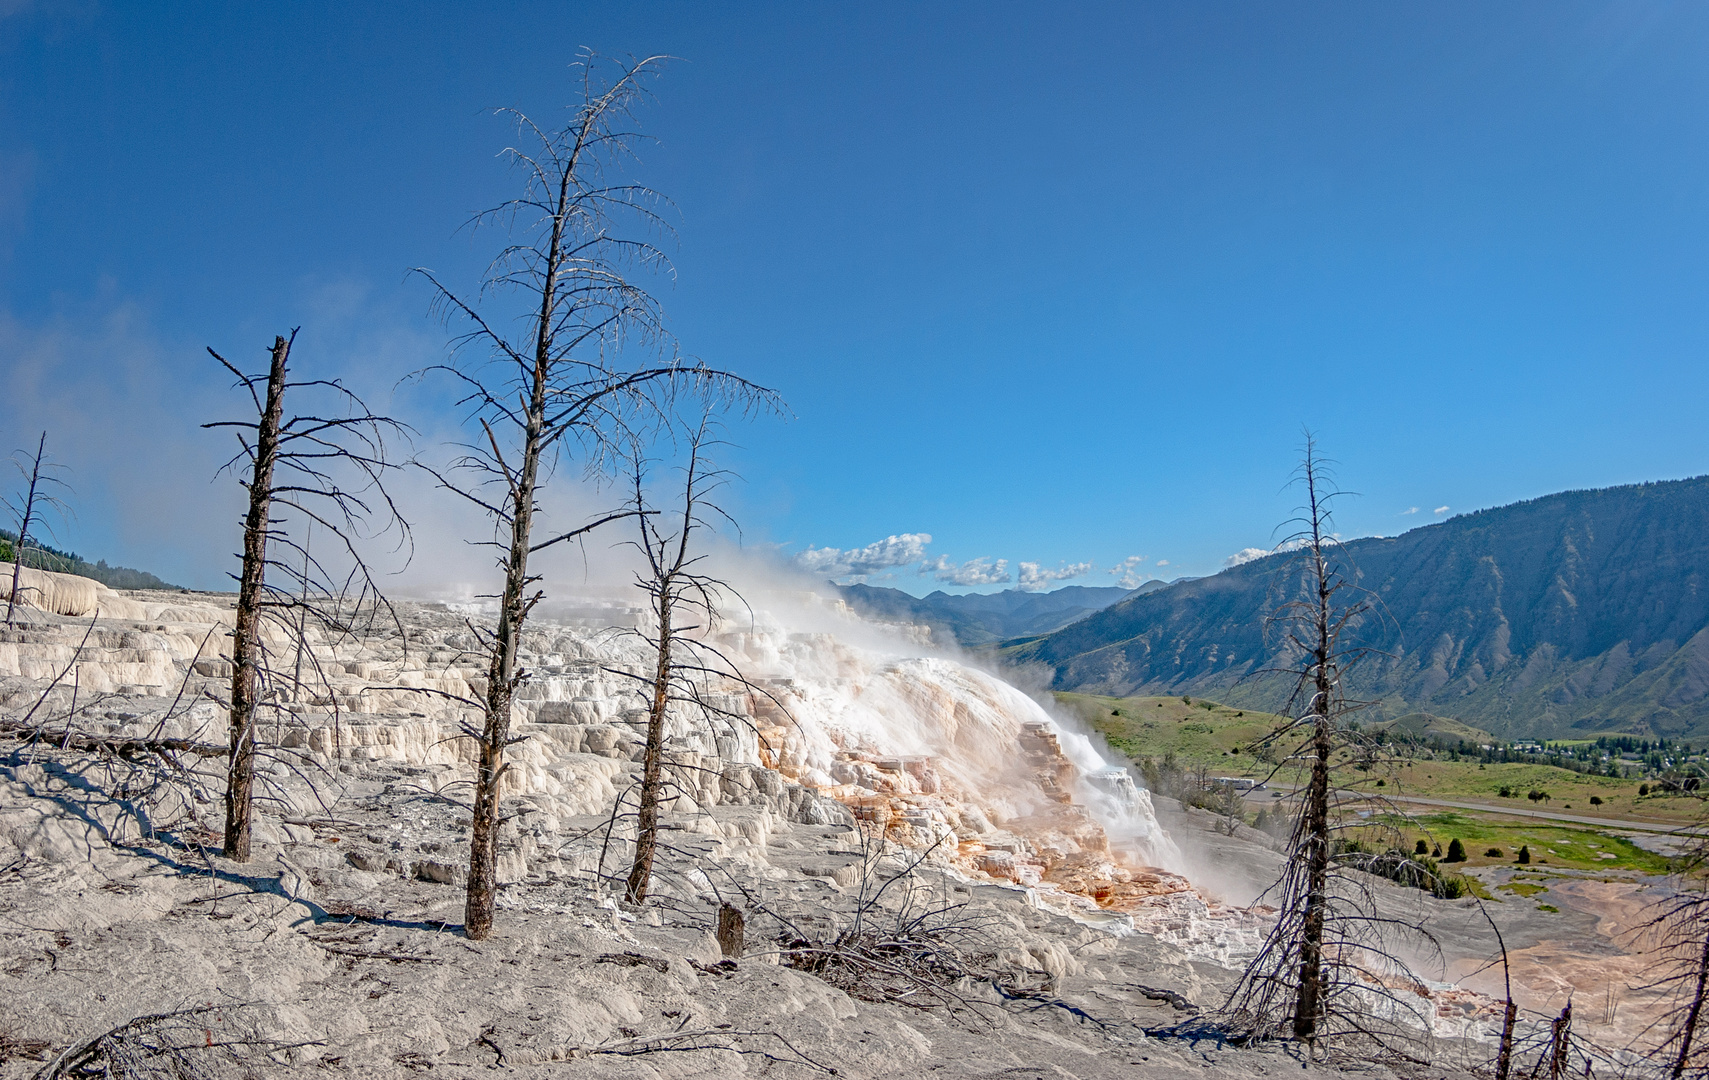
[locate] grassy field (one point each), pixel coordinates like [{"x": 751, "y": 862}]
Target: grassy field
[
  {"x": 1200, "y": 733},
  {"x": 1553, "y": 847},
  {"x": 1213, "y": 735},
  {"x": 1569, "y": 792}
]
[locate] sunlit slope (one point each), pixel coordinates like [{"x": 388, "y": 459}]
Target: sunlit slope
[
  {"x": 1573, "y": 613},
  {"x": 1199, "y": 733}
]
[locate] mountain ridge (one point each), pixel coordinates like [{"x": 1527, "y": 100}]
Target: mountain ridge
[
  {"x": 1576, "y": 612},
  {"x": 979, "y": 619}
]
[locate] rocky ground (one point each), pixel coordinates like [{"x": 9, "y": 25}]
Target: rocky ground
[
  {"x": 299, "y": 961},
  {"x": 337, "y": 947}
]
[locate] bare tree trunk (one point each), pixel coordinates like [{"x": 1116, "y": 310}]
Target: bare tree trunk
[
  {"x": 683, "y": 600},
  {"x": 245, "y": 638},
  {"x": 730, "y": 931},
  {"x": 647, "y": 817},
  {"x": 1310, "y": 1000},
  {"x": 1555, "y": 1058},
  {"x": 1688, "y": 1029},
  {"x": 1309, "y": 1003},
  {"x": 1504, "y": 1054},
  {"x": 482, "y": 896},
  {"x": 29, "y": 510},
  {"x": 1510, "y": 1011}
]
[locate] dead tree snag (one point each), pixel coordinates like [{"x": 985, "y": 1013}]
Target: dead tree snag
[
  {"x": 295, "y": 461},
  {"x": 558, "y": 385},
  {"x": 27, "y": 512}
]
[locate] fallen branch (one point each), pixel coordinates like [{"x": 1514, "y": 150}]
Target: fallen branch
[
  {"x": 363, "y": 954},
  {"x": 120, "y": 745},
  {"x": 688, "y": 1041},
  {"x": 11, "y": 1046},
  {"x": 1047, "y": 1001},
  {"x": 1166, "y": 995},
  {"x": 634, "y": 959},
  {"x": 84, "y": 1053}
]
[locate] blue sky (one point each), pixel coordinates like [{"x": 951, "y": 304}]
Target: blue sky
[{"x": 1050, "y": 284}]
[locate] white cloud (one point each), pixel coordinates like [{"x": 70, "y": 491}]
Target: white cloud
[
  {"x": 1244, "y": 555},
  {"x": 1127, "y": 573},
  {"x": 1162, "y": 562},
  {"x": 1410, "y": 510},
  {"x": 980, "y": 571},
  {"x": 883, "y": 554},
  {"x": 1035, "y": 577},
  {"x": 1440, "y": 510},
  {"x": 858, "y": 564}
]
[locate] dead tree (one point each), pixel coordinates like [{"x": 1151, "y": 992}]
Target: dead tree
[
  {"x": 559, "y": 384},
  {"x": 27, "y": 511},
  {"x": 1509, "y": 1010},
  {"x": 684, "y": 604},
  {"x": 326, "y": 468},
  {"x": 1327, "y": 951},
  {"x": 1679, "y": 932},
  {"x": 1315, "y": 635},
  {"x": 1556, "y": 1058}
]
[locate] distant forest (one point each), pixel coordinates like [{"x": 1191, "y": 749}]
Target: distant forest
[{"x": 46, "y": 557}]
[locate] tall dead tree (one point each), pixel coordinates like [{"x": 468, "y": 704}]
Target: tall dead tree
[
  {"x": 580, "y": 239},
  {"x": 1314, "y": 633},
  {"x": 323, "y": 468},
  {"x": 27, "y": 513},
  {"x": 1327, "y": 952}
]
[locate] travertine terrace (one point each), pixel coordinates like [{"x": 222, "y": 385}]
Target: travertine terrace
[{"x": 336, "y": 948}]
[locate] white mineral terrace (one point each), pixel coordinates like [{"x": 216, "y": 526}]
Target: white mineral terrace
[{"x": 941, "y": 756}]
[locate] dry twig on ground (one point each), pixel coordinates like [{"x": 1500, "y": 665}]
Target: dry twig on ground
[
  {"x": 187, "y": 1044},
  {"x": 921, "y": 950}
]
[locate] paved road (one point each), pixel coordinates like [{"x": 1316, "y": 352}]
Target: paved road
[
  {"x": 1546, "y": 815},
  {"x": 1550, "y": 815}
]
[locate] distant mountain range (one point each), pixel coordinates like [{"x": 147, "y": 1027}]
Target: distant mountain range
[
  {"x": 983, "y": 619},
  {"x": 1572, "y": 614}
]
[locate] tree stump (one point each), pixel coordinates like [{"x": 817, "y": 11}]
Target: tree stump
[{"x": 729, "y": 931}]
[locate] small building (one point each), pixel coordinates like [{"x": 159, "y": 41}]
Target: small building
[{"x": 1238, "y": 783}]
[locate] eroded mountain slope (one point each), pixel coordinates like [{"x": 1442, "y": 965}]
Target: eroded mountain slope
[{"x": 1582, "y": 611}]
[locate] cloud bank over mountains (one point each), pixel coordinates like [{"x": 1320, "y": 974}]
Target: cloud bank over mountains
[
  {"x": 885, "y": 554},
  {"x": 1033, "y": 576},
  {"x": 894, "y": 553},
  {"x": 980, "y": 571}
]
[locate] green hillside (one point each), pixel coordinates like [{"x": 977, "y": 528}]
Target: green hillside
[
  {"x": 46, "y": 557},
  {"x": 1428, "y": 728},
  {"x": 1198, "y": 732}
]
